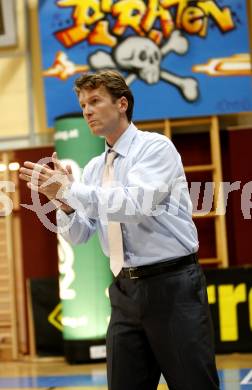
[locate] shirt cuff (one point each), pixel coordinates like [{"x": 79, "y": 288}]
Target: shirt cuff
[
  {"x": 63, "y": 219},
  {"x": 76, "y": 196},
  {"x": 66, "y": 193}
]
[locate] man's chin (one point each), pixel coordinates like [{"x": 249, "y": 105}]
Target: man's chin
[
  {"x": 97, "y": 128},
  {"x": 97, "y": 131},
  {"x": 93, "y": 128}
]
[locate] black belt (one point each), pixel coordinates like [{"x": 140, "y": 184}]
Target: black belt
[{"x": 158, "y": 268}]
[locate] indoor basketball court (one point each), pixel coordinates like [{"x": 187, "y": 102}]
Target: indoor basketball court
[
  {"x": 234, "y": 371},
  {"x": 186, "y": 64}
]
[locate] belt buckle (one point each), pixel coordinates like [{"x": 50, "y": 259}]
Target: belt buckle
[{"x": 130, "y": 275}]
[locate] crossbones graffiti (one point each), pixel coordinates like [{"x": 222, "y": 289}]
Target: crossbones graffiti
[{"x": 141, "y": 58}]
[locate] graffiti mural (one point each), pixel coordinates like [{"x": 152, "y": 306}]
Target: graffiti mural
[{"x": 181, "y": 58}]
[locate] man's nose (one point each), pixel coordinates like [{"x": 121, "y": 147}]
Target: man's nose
[{"x": 88, "y": 111}]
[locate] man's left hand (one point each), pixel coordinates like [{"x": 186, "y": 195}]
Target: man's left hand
[{"x": 43, "y": 179}]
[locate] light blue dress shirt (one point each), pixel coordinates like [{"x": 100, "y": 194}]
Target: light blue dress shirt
[{"x": 149, "y": 198}]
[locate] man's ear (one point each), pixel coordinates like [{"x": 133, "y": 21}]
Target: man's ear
[{"x": 123, "y": 104}]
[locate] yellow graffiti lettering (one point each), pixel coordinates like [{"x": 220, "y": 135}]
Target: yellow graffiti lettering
[
  {"x": 155, "y": 11},
  {"x": 101, "y": 36},
  {"x": 223, "y": 17},
  {"x": 129, "y": 14},
  {"x": 85, "y": 13},
  {"x": 106, "y": 5},
  {"x": 141, "y": 18},
  {"x": 182, "y": 4},
  {"x": 193, "y": 20},
  {"x": 72, "y": 35},
  {"x": 229, "y": 297}
]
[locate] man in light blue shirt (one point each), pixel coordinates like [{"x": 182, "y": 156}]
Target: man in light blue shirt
[
  {"x": 160, "y": 317},
  {"x": 154, "y": 206}
]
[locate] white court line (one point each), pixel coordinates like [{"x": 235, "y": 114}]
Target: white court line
[{"x": 247, "y": 379}]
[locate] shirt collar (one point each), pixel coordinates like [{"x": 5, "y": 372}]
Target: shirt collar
[{"x": 122, "y": 145}]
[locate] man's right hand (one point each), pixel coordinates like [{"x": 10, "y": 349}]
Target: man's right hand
[{"x": 67, "y": 209}]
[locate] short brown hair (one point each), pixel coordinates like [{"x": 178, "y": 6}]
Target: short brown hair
[{"x": 112, "y": 81}]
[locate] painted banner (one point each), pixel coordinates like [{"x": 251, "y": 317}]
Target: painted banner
[{"x": 181, "y": 58}]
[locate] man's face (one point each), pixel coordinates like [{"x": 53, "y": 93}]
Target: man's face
[{"x": 100, "y": 112}]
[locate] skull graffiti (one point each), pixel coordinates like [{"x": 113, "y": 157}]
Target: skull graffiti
[
  {"x": 140, "y": 55},
  {"x": 141, "y": 58}
]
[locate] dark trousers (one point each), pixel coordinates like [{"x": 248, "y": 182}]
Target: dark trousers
[{"x": 161, "y": 324}]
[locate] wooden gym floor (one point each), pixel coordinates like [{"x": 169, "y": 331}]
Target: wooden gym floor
[{"x": 235, "y": 373}]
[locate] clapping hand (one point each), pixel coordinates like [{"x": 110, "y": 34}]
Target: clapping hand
[{"x": 45, "y": 180}]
